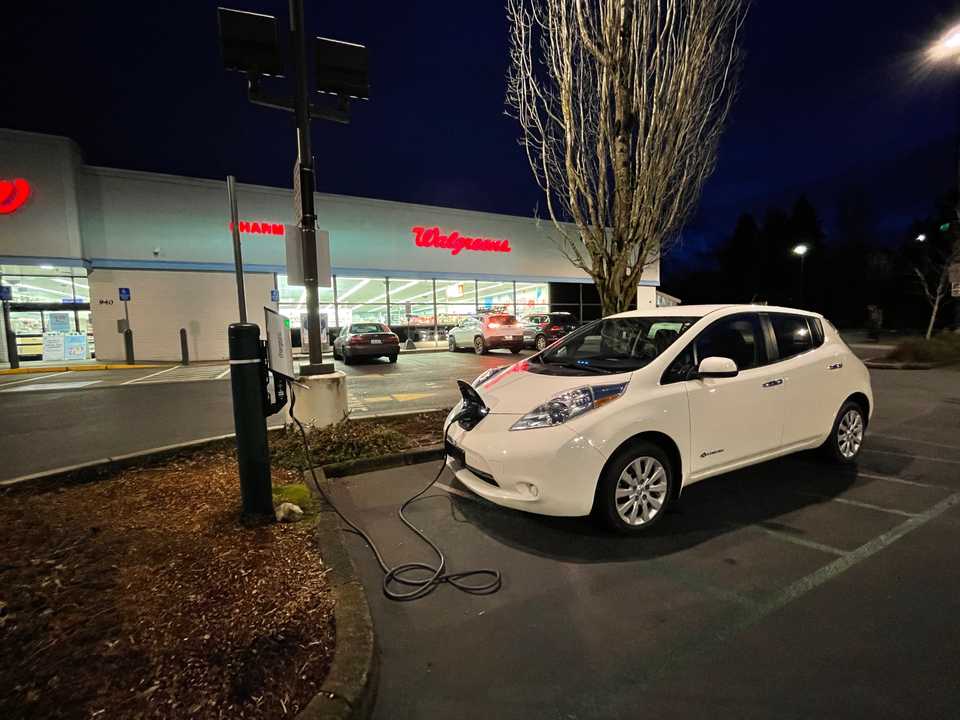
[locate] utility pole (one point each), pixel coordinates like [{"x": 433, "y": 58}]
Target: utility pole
[{"x": 308, "y": 218}]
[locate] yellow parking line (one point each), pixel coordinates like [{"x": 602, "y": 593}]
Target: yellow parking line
[
  {"x": 379, "y": 398},
  {"x": 404, "y": 397}
]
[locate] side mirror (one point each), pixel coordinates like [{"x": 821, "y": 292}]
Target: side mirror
[{"x": 717, "y": 367}]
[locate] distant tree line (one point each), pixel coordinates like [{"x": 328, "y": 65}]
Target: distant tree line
[{"x": 842, "y": 274}]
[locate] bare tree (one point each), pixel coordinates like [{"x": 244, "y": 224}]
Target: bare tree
[
  {"x": 933, "y": 274},
  {"x": 621, "y": 105}
]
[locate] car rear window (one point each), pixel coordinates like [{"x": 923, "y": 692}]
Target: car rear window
[
  {"x": 367, "y": 328},
  {"x": 562, "y": 318},
  {"x": 501, "y": 320}
]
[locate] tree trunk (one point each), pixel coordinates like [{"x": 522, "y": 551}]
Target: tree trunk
[{"x": 933, "y": 316}]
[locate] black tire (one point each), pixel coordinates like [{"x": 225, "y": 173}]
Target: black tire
[
  {"x": 451, "y": 343},
  {"x": 393, "y": 358},
  {"x": 540, "y": 343},
  {"x": 479, "y": 345},
  {"x": 648, "y": 491},
  {"x": 335, "y": 355},
  {"x": 845, "y": 441},
  {"x": 516, "y": 350},
  {"x": 347, "y": 360}
]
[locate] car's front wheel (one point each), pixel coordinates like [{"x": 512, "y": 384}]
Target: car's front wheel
[
  {"x": 541, "y": 342},
  {"x": 846, "y": 436},
  {"x": 479, "y": 346},
  {"x": 451, "y": 344},
  {"x": 636, "y": 488}
]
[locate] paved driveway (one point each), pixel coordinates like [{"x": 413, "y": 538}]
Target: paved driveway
[{"x": 789, "y": 590}]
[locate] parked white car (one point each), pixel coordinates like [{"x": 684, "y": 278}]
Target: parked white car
[{"x": 622, "y": 413}]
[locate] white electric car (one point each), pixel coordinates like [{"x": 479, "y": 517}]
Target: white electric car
[{"x": 619, "y": 415}]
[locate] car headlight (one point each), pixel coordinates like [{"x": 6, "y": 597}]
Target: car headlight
[
  {"x": 487, "y": 374},
  {"x": 569, "y": 404}
]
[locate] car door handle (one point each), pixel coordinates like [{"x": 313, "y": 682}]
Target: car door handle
[
  {"x": 773, "y": 383},
  {"x": 835, "y": 366}
]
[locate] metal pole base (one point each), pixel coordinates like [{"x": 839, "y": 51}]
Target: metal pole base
[{"x": 316, "y": 369}]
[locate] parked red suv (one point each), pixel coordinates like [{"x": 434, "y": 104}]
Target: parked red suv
[{"x": 542, "y": 329}]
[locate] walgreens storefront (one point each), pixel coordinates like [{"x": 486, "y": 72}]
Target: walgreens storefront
[{"x": 418, "y": 268}]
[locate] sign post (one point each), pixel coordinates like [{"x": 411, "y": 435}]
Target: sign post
[{"x": 124, "y": 295}]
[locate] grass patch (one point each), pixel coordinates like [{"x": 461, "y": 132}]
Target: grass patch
[
  {"x": 296, "y": 493},
  {"x": 939, "y": 348}
]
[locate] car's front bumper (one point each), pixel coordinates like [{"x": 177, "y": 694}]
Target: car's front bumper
[{"x": 550, "y": 471}]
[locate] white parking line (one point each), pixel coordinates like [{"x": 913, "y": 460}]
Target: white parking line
[
  {"x": 788, "y": 537},
  {"x": 901, "y": 481},
  {"x": 839, "y": 566},
  {"x": 915, "y": 457},
  {"x": 914, "y": 440},
  {"x": 161, "y": 372},
  {"x": 223, "y": 374},
  {"x": 39, "y": 377},
  {"x": 855, "y": 503}
]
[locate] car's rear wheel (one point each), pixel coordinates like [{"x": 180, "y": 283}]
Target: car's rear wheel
[
  {"x": 479, "y": 346},
  {"x": 636, "y": 488},
  {"x": 451, "y": 344},
  {"x": 540, "y": 343},
  {"x": 393, "y": 358},
  {"x": 347, "y": 360},
  {"x": 846, "y": 436},
  {"x": 516, "y": 349}
]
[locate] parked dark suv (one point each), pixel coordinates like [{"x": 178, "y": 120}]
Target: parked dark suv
[{"x": 541, "y": 329}]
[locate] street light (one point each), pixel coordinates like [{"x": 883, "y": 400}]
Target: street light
[
  {"x": 946, "y": 47},
  {"x": 801, "y": 250},
  {"x": 921, "y": 238}
]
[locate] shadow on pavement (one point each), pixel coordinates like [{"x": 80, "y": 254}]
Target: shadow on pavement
[{"x": 719, "y": 505}]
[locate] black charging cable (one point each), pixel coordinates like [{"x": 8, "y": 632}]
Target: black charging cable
[{"x": 406, "y": 574}]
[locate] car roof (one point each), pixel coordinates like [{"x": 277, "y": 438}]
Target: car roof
[{"x": 704, "y": 310}]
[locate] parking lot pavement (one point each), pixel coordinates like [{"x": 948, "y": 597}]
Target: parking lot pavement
[
  {"x": 418, "y": 381},
  {"x": 793, "y": 589}
]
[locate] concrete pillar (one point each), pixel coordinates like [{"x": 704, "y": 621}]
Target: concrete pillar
[
  {"x": 324, "y": 403},
  {"x": 646, "y": 297}
]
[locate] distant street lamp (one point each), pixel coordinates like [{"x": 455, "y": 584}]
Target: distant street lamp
[
  {"x": 944, "y": 50},
  {"x": 801, "y": 250},
  {"x": 921, "y": 238}
]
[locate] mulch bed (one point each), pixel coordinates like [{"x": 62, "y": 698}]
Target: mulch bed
[{"x": 142, "y": 596}]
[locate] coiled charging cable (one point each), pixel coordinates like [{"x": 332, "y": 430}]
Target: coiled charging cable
[{"x": 405, "y": 574}]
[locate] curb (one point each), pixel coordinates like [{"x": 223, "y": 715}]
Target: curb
[
  {"x": 881, "y": 364},
  {"x": 350, "y": 688},
  {"x": 103, "y": 466},
  {"x": 383, "y": 462},
  {"x": 76, "y": 368}
]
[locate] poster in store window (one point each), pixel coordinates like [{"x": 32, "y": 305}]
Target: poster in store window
[
  {"x": 53, "y": 346},
  {"x": 75, "y": 346},
  {"x": 59, "y": 322}
]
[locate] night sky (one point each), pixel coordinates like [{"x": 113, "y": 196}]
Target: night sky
[{"x": 833, "y": 102}]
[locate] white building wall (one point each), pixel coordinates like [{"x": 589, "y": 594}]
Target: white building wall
[
  {"x": 47, "y": 226},
  {"x": 204, "y": 303}
]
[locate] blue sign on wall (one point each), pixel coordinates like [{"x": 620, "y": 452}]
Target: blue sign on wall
[
  {"x": 124, "y": 294},
  {"x": 274, "y": 295},
  {"x": 6, "y": 292}
]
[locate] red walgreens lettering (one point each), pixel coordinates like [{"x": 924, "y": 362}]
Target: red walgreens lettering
[{"x": 455, "y": 242}]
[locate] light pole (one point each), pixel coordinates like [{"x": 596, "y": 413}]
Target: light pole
[
  {"x": 944, "y": 50},
  {"x": 801, "y": 250}
]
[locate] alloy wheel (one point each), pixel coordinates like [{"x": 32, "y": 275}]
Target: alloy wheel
[
  {"x": 641, "y": 491},
  {"x": 541, "y": 342},
  {"x": 478, "y": 345},
  {"x": 451, "y": 344},
  {"x": 850, "y": 433}
]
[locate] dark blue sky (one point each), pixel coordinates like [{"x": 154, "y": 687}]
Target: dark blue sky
[{"x": 831, "y": 103}]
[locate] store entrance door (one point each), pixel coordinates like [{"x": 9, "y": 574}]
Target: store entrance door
[{"x": 31, "y": 320}]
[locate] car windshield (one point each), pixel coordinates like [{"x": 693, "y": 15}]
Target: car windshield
[
  {"x": 613, "y": 345},
  {"x": 360, "y": 328}
]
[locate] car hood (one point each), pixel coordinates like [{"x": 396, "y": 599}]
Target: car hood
[{"x": 515, "y": 391}]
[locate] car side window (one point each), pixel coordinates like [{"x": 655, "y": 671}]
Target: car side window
[
  {"x": 816, "y": 330},
  {"x": 738, "y": 337},
  {"x": 792, "y": 333}
]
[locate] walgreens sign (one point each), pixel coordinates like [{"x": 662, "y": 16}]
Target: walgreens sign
[{"x": 455, "y": 242}]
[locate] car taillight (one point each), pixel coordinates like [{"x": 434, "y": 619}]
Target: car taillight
[
  {"x": 355, "y": 340},
  {"x": 493, "y": 325},
  {"x": 556, "y": 328}
]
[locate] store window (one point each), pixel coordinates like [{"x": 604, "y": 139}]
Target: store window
[
  {"x": 496, "y": 297},
  {"x": 411, "y": 303},
  {"x": 532, "y": 298}
]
